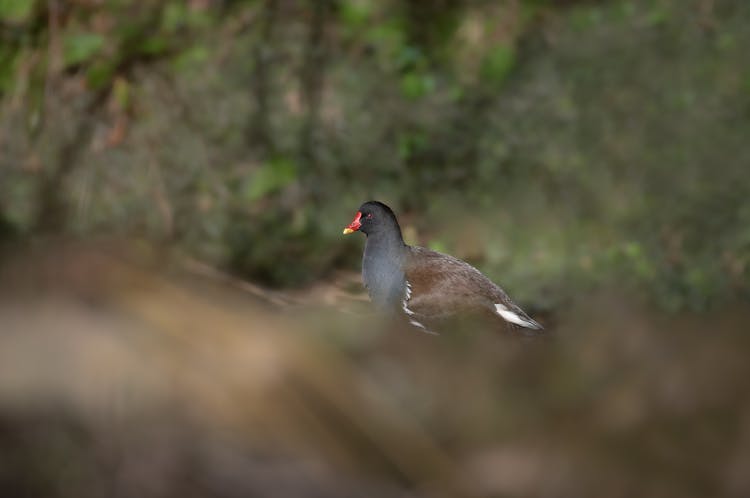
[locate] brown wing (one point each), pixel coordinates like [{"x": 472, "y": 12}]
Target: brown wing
[{"x": 441, "y": 285}]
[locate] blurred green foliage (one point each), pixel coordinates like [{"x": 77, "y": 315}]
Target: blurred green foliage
[
  {"x": 16, "y": 11},
  {"x": 81, "y": 47},
  {"x": 271, "y": 177},
  {"x": 577, "y": 143},
  {"x": 498, "y": 63}
]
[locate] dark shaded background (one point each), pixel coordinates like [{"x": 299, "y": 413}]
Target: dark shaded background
[{"x": 180, "y": 315}]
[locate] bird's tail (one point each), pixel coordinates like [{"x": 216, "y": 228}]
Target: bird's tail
[{"x": 516, "y": 316}]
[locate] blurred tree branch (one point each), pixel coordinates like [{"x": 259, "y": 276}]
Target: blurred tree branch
[
  {"x": 259, "y": 129},
  {"x": 312, "y": 84},
  {"x": 52, "y": 206},
  {"x": 52, "y": 213}
]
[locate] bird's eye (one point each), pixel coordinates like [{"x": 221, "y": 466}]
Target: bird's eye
[{"x": 369, "y": 216}]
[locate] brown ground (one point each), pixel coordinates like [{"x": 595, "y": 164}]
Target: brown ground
[{"x": 127, "y": 372}]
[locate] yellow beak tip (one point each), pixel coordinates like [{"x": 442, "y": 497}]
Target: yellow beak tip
[{"x": 347, "y": 231}]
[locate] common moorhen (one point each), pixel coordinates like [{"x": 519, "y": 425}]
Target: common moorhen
[{"x": 424, "y": 284}]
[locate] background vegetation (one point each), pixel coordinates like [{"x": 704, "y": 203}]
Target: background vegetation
[
  {"x": 589, "y": 155},
  {"x": 566, "y": 143}
]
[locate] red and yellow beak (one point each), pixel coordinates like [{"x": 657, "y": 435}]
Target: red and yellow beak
[{"x": 354, "y": 225}]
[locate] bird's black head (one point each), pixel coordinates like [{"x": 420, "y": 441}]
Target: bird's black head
[{"x": 373, "y": 217}]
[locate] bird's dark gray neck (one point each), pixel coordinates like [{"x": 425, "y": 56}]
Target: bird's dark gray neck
[{"x": 382, "y": 269}]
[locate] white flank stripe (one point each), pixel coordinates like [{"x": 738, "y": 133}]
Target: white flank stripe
[
  {"x": 513, "y": 317},
  {"x": 406, "y": 299},
  {"x": 405, "y": 307}
]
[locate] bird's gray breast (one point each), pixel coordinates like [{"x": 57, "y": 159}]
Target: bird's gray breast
[{"x": 385, "y": 281}]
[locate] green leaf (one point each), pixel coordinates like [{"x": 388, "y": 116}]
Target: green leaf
[
  {"x": 410, "y": 142},
  {"x": 271, "y": 177},
  {"x": 415, "y": 85},
  {"x": 8, "y": 64},
  {"x": 78, "y": 48},
  {"x": 437, "y": 245},
  {"x": 191, "y": 58},
  {"x": 100, "y": 74},
  {"x": 121, "y": 92},
  {"x": 585, "y": 18},
  {"x": 388, "y": 37},
  {"x": 658, "y": 15},
  {"x": 410, "y": 57},
  {"x": 153, "y": 45},
  {"x": 356, "y": 13},
  {"x": 174, "y": 16},
  {"x": 16, "y": 11},
  {"x": 497, "y": 64}
]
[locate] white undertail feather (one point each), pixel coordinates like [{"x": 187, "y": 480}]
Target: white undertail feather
[
  {"x": 422, "y": 327},
  {"x": 513, "y": 317}
]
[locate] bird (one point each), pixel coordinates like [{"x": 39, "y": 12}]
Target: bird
[{"x": 421, "y": 285}]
